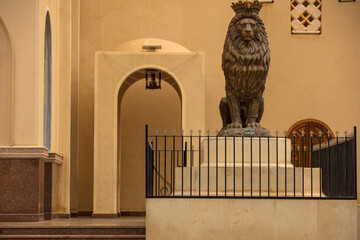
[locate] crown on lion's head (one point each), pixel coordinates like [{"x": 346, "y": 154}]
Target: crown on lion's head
[{"x": 247, "y": 6}]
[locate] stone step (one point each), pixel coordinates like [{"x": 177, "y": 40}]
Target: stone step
[
  {"x": 78, "y": 237},
  {"x": 110, "y": 232}
]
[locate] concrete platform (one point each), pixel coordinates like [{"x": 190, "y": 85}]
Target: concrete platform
[{"x": 250, "y": 219}]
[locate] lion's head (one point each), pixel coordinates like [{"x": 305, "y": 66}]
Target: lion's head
[
  {"x": 246, "y": 44},
  {"x": 247, "y": 28}
]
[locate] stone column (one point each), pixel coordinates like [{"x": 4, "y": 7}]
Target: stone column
[{"x": 51, "y": 186}]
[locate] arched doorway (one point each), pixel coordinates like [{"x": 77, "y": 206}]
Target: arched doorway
[
  {"x": 47, "y": 83},
  {"x": 304, "y": 134},
  {"x": 6, "y": 86},
  {"x": 137, "y": 106}
]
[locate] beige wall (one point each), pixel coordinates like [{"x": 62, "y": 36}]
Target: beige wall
[
  {"x": 6, "y": 85},
  {"x": 160, "y": 109},
  {"x": 21, "y": 20},
  {"x": 302, "y": 81}
]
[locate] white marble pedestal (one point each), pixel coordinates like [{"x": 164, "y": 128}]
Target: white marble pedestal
[
  {"x": 260, "y": 166},
  {"x": 249, "y": 150}
]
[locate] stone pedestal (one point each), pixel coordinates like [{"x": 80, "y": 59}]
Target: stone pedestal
[
  {"x": 249, "y": 150},
  {"x": 28, "y": 183},
  {"x": 251, "y": 166}
]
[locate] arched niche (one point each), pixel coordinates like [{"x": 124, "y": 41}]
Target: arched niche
[
  {"x": 47, "y": 83},
  {"x": 137, "y": 106},
  {"x": 6, "y": 86},
  {"x": 112, "y": 70},
  {"x": 305, "y": 133}
]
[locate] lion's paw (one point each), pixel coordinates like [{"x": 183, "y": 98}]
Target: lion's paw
[
  {"x": 253, "y": 125},
  {"x": 234, "y": 125}
]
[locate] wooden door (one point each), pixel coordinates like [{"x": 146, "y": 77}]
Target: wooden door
[{"x": 303, "y": 135}]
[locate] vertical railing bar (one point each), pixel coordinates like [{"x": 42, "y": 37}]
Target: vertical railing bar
[
  {"x": 234, "y": 163},
  {"x": 251, "y": 166},
  {"x": 217, "y": 164},
  {"x": 185, "y": 155},
  {"x": 191, "y": 163},
  {"x": 171, "y": 170},
  {"x": 260, "y": 166},
  {"x": 346, "y": 161},
  {"x": 159, "y": 171},
  {"x": 355, "y": 158},
  {"x": 208, "y": 172},
  {"x": 320, "y": 175},
  {"x": 329, "y": 167},
  {"x": 182, "y": 164},
  {"x": 311, "y": 165},
  {"x": 173, "y": 166},
  {"x": 165, "y": 169},
  {"x": 199, "y": 163},
  {"x": 225, "y": 164},
  {"x": 156, "y": 165},
  {"x": 268, "y": 166},
  {"x": 295, "y": 164},
  {"x": 336, "y": 165},
  {"x": 303, "y": 170},
  {"x": 277, "y": 165},
  {"x": 153, "y": 171},
  {"x": 242, "y": 163},
  {"x": 285, "y": 166},
  {"x": 146, "y": 160}
]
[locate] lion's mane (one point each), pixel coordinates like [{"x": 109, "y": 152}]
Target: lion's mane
[{"x": 246, "y": 64}]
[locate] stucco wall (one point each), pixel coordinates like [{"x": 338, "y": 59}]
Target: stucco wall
[
  {"x": 311, "y": 76},
  {"x": 21, "y": 20}
]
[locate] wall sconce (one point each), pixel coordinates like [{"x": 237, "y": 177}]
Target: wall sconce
[{"x": 152, "y": 83}]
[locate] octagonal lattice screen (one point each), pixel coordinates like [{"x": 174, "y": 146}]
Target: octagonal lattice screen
[{"x": 306, "y": 16}]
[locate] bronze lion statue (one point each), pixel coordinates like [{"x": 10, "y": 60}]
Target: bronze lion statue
[{"x": 245, "y": 62}]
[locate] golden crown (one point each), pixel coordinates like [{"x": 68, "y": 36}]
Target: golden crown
[{"x": 247, "y": 6}]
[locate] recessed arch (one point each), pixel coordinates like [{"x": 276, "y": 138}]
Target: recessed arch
[
  {"x": 6, "y": 85},
  {"x": 134, "y": 111},
  {"x": 307, "y": 133},
  {"x": 47, "y": 121}
]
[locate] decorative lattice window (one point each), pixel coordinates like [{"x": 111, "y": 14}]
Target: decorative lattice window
[{"x": 306, "y": 16}]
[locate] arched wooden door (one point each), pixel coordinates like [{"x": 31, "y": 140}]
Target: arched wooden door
[{"x": 305, "y": 134}]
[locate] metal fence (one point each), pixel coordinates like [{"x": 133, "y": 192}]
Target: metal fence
[{"x": 208, "y": 166}]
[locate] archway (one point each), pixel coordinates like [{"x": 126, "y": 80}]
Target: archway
[
  {"x": 47, "y": 83},
  {"x": 161, "y": 109},
  {"x": 112, "y": 69},
  {"x": 6, "y": 86}
]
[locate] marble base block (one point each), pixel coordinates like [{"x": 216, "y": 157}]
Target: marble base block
[
  {"x": 272, "y": 181},
  {"x": 256, "y": 150},
  {"x": 28, "y": 184}
]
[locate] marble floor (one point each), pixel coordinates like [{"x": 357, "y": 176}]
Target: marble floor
[{"x": 82, "y": 222}]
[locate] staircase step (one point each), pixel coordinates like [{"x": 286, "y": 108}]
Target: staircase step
[
  {"x": 72, "y": 231},
  {"x": 78, "y": 237}
]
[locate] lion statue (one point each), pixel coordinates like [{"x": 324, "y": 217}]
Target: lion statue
[{"x": 245, "y": 62}]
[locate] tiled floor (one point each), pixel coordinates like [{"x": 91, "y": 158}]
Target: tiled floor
[{"x": 81, "y": 222}]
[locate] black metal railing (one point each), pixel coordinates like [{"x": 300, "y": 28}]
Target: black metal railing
[{"x": 204, "y": 166}]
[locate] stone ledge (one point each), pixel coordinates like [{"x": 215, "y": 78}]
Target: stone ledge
[
  {"x": 55, "y": 158},
  {"x": 23, "y": 152}
]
